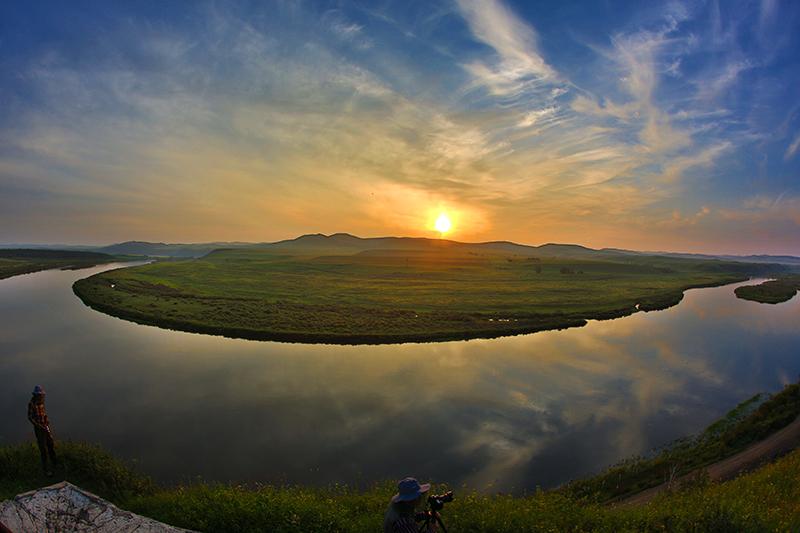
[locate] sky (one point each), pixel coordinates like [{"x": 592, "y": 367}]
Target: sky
[{"x": 641, "y": 125}]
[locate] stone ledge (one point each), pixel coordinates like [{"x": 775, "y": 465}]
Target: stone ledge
[{"x": 65, "y": 507}]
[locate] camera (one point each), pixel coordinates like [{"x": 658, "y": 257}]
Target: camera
[{"x": 437, "y": 501}]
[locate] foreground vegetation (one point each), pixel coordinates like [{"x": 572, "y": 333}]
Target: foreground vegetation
[
  {"x": 14, "y": 262},
  {"x": 750, "y": 422},
  {"x": 771, "y": 292},
  {"x": 765, "y": 500},
  {"x": 381, "y": 296}
]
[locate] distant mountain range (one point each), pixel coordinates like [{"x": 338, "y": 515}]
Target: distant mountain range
[
  {"x": 344, "y": 244},
  {"x": 160, "y": 249}
]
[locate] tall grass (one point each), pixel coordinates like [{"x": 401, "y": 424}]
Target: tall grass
[
  {"x": 85, "y": 465},
  {"x": 766, "y": 500}
]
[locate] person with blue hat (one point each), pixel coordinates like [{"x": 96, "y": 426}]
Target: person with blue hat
[
  {"x": 400, "y": 517},
  {"x": 41, "y": 427}
]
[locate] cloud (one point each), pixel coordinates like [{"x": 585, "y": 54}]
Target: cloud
[
  {"x": 586, "y": 105},
  {"x": 679, "y": 220},
  {"x": 791, "y": 150},
  {"x": 710, "y": 89},
  {"x": 704, "y": 158},
  {"x": 536, "y": 116},
  {"x": 769, "y": 214},
  {"x": 637, "y": 54},
  {"x": 520, "y": 64},
  {"x": 348, "y": 31}
]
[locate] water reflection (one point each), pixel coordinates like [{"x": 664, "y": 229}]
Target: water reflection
[{"x": 498, "y": 414}]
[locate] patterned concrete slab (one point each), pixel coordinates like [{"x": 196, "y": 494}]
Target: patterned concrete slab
[{"x": 65, "y": 507}]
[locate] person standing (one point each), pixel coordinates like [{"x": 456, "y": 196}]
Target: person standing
[{"x": 41, "y": 427}]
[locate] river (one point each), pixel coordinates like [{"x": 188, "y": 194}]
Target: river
[{"x": 504, "y": 414}]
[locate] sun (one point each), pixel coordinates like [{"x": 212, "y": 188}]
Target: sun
[{"x": 443, "y": 223}]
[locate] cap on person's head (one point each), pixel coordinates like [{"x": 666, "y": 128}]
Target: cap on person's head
[
  {"x": 38, "y": 390},
  {"x": 410, "y": 489}
]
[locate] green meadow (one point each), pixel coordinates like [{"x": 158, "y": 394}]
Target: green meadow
[{"x": 396, "y": 295}]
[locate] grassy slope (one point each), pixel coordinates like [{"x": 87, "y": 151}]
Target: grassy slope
[
  {"x": 771, "y": 292},
  {"x": 763, "y": 501},
  {"x": 393, "y": 296},
  {"x": 766, "y": 500},
  {"x": 14, "y": 262},
  {"x": 749, "y": 422}
]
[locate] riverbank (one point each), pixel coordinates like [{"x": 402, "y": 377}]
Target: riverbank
[
  {"x": 763, "y": 500},
  {"x": 15, "y": 262}
]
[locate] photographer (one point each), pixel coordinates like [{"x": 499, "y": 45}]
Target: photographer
[{"x": 401, "y": 515}]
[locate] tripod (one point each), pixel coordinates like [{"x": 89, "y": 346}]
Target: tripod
[{"x": 431, "y": 517}]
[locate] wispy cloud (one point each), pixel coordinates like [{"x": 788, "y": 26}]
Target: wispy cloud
[
  {"x": 519, "y": 64},
  {"x": 791, "y": 150},
  {"x": 347, "y": 30},
  {"x": 704, "y": 159},
  {"x": 536, "y": 116},
  {"x": 709, "y": 89}
]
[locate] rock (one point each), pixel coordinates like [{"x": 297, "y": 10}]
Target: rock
[{"x": 65, "y": 507}]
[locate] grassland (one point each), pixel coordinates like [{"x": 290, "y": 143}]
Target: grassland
[
  {"x": 14, "y": 262},
  {"x": 385, "y": 296},
  {"x": 771, "y": 292},
  {"x": 765, "y": 500}
]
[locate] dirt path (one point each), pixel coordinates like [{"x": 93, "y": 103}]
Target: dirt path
[{"x": 761, "y": 452}]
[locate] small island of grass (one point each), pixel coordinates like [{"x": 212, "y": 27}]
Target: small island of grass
[
  {"x": 772, "y": 291},
  {"x": 345, "y": 290}
]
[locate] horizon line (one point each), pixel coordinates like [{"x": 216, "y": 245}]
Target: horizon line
[{"x": 320, "y": 234}]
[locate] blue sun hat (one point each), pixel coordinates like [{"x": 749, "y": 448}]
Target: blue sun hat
[
  {"x": 38, "y": 390},
  {"x": 410, "y": 489}
]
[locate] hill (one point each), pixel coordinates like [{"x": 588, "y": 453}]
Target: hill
[
  {"x": 160, "y": 249},
  {"x": 760, "y": 258},
  {"x": 345, "y": 243}
]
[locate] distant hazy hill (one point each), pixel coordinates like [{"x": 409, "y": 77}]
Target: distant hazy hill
[
  {"x": 762, "y": 258},
  {"x": 344, "y": 243},
  {"x": 160, "y": 249},
  {"x": 783, "y": 259}
]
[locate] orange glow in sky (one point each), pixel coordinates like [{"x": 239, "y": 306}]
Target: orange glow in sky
[{"x": 271, "y": 120}]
